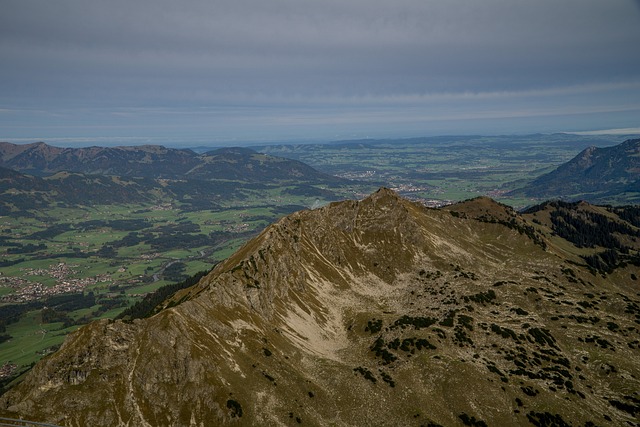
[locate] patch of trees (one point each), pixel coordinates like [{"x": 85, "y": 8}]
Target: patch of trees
[
  {"x": 116, "y": 224},
  {"x": 547, "y": 419},
  {"x": 481, "y": 297},
  {"x": 519, "y": 311},
  {"x": 11, "y": 313},
  {"x": 460, "y": 337},
  {"x": 408, "y": 344},
  {"x": 380, "y": 351},
  {"x": 387, "y": 379},
  {"x": 166, "y": 242},
  {"x": 632, "y": 406},
  {"x": 630, "y": 214},
  {"x": 51, "y": 231},
  {"x": 235, "y": 408},
  {"x": 50, "y": 315},
  {"x": 9, "y": 263},
  {"x": 167, "y": 237},
  {"x": 25, "y": 249},
  {"x": 111, "y": 303},
  {"x": 521, "y": 228},
  {"x": 465, "y": 321},
  {"x": 449, "y": 319},
  {"x": 367, "y": 374},
  {"x": 604, "y": 262},
  {"x": 601, "y": 342},
  {"x": 610, "y": 259},
  {"x": 174, "y": 272},
  {"x": 132, "y": 239},
  {"x": 3, "y": 336},
  {"x": 54, "y": 307},
  {"x": 504, "y": 332},
  {"x": 18, "y": 205},
  {"x": 373, "y": 326},
  {"x": 471, "y": 421},
  {"x": 493, "y": 369},
  {"x": 416, "y": 322},
  {"x": 146, "y": 307},
  {"x": 542, "y": 337},
  {"x": 198, "y": 204},
  {"x": 71, "y": 302},
  {"x": 106, "y": 251},
  {"x": 588, "y": 229}
]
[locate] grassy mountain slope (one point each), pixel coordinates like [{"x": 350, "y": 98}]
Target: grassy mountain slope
[
  {"x": 593, "y": 175},
  {"x": 99, "y": 175},
  {"x": 21, "y": 192},
  {"x": 157, "y": 162},
  {"x": 377, "y": 312}
]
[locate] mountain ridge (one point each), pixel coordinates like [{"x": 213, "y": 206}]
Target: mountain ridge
[
  {"x": 594, "y": 174},
  {"x": 34, "y": 176},
  {"x": 378, "y": 312},
  {"x": 157, "y": 162}
]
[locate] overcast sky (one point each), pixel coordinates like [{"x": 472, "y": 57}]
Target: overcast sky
[{"x": 209, "y": 71}]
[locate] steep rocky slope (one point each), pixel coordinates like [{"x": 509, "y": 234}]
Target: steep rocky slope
[{"x": 378, "y": 312}]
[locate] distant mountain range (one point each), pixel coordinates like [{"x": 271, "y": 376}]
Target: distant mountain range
[
  {"x": 596, "y": 174},
  {"x": 376, "y": 312},
  {"x": 157, "y": 162},
  {"x": 35, "y": 175}
]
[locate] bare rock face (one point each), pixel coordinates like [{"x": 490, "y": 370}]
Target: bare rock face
[{"x": 372, "y": 312}]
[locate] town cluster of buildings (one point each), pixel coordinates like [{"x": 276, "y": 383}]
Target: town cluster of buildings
[
  {"x": 7, "y": 370},
  {"x": 26, "y": 290}
]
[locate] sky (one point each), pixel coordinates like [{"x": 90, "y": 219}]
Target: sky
[{"x": 210, "y": 72}]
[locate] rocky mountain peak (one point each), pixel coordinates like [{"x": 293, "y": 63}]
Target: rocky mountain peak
[{"x": 375, "y": 236}]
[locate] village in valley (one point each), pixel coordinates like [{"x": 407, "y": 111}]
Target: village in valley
[{"x": 26, "y": 290}]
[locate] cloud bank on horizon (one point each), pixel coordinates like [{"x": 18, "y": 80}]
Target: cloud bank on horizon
[{"x": 254, "y": 70}]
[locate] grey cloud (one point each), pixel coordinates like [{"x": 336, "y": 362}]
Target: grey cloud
[{"x": 119, "y": 53}]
